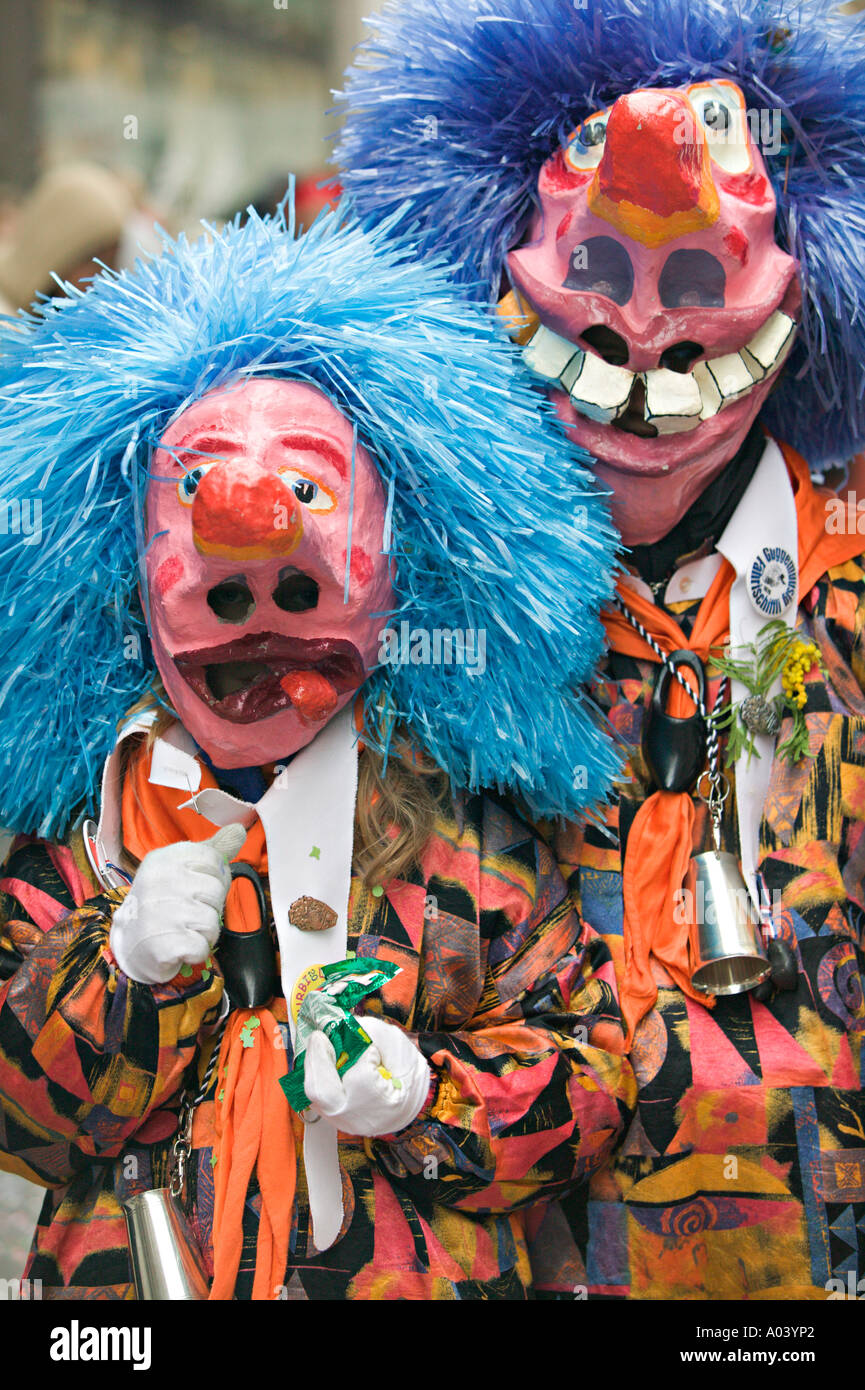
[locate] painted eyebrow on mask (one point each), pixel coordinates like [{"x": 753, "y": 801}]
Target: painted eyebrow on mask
[
  {"x": 199, "y": 448},
  {"x": 317, "y": 444}
]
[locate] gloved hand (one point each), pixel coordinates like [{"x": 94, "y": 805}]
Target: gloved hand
[
  {"x": 362, "y": 1100},
  {"x": 172, "y": 914}
]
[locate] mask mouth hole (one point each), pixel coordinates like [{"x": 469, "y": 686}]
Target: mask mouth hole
[
  {"x": 680, "y": 357},
  {"x": 633, "y": 421},
  {"x": 228, "y": 677},
  {"x": 608, "y": 344}
]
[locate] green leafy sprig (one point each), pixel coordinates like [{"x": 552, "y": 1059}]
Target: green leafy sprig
[{"x": 777, "y": 651}]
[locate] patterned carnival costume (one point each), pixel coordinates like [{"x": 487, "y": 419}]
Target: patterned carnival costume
[
  {"x": 676, "y": 193},
  {"x": 312, "y": 444}
]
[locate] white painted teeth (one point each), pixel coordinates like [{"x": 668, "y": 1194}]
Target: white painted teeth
[
  {"x": 722, "y": 380},
  {"x": 770, "y": 344},
  {"x": 572, "y": 371},
  {"x": 675, "y": 401},
  {"x": 725, "y": 379},
  {"x": 547, "y": 355},
  {"x": 598, "y": 389}
]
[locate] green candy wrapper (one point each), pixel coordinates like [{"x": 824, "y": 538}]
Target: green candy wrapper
[{"x": 323, "y": 998}]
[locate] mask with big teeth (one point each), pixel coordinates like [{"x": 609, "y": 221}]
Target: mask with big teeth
[
  {"x": 658, "y": 307},
  {"x": 247, "y": 523}
]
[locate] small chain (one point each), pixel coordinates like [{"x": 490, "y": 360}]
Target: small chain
[{"x": 182, "y": 1146}]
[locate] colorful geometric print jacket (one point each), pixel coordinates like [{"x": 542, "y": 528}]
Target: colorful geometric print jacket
[
  {"x": 742, "y": 1174},
  {"x": 512, "y": 1004}
]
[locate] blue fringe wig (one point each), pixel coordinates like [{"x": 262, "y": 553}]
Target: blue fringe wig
[
  {"x": 454, "y": 105},
  {"x": 483, "y": 495}
]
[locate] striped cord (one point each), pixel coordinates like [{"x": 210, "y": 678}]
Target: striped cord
[
  {"x": 211, "y": 1066},
  {"x": 709, "y": 717}
]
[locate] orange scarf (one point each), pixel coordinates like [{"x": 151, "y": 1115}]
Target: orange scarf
[
  {"x": 660, "y": 838},
  {"x": 253, "y": 1121}
]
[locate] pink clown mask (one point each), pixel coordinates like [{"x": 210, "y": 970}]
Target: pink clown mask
[
  {"x": 661, "y": 306},
  {"x": 250, "y": 509}
]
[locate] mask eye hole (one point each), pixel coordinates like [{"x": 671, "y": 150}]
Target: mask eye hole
[
  {"x": 231, "y": 600},
  {"x": 296, "y": 592},
  {"x": 586, "y": 146},
  {"x": 311, "y": 493},
  {"x": 720, "y": 111},
  {"x": 593, "y": 133},
  {"x": 716, "y": 117},
  {"x": 188, "y": 485}
]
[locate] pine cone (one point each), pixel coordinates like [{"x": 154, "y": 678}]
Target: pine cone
[{"x": 759, "y": 716}]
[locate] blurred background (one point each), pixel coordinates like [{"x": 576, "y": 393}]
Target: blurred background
[{"x": 113, "y": 115}]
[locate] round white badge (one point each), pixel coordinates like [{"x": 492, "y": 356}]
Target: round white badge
[{"x": 772, "y": 581}]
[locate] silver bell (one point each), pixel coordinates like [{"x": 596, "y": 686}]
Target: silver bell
[
  {"x": 728, "y": 955},
  {"x": 166, "y": 1260}
]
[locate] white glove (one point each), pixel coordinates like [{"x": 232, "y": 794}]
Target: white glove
[
  {"x": 172, "y": 914},
  {"x": 362, "y": 1100}
]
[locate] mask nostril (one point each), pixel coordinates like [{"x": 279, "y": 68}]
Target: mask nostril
[
  {"x": 296, "y": 592},
  {"x": 608, "y": 344},
  {"x": 680, "y": 357},
  {"x": 232, "y": 600}
]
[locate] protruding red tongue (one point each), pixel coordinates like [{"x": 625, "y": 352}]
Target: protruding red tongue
[{"x": 312, "y": 694}]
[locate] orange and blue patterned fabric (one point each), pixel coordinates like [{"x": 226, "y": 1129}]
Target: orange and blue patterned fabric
[
  {"x": 512, "y": 1003},
  {"x": 742, "y": 1175}
]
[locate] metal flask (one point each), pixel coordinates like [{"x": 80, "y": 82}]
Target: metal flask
[
  {"x": 728, "y": 955},
  {"x": 166, "y": 1261}
]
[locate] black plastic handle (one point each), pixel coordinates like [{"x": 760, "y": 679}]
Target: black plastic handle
[
  {"x": 675, "y": 747},
  {"x": 248, "y": 959}
]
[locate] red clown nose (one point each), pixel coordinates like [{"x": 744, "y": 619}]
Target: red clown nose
[
  {"x": 242, "y": 512},
  {"x": 654, "y": 181}
]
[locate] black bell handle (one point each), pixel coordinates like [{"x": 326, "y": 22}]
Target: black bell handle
[
  {"x": 248, "y": 959},
  {"x": 675, "y": 747}
]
